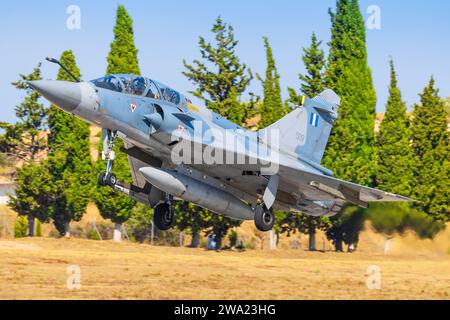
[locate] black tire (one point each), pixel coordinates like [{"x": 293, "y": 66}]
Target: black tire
[
  {"x": 111, "y": 179},
  {"x": 264, "y": 218},
  {"x": 101, "y": 179},
  {"x": 163, "y": 217}
]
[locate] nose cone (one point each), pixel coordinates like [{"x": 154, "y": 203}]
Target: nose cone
[{"x": 66, "y": 95}]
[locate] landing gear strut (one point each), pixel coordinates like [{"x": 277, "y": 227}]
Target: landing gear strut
[
  {"x": 109, "y": 155},
  {"x": 163, "y": 216},
  {"x": 264, "y": 217}
]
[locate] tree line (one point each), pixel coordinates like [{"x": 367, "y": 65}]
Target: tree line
[{"x": 409, "y": 155}]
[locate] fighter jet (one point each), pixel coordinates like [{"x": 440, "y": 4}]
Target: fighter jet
[{"x": 179, "y": 151}]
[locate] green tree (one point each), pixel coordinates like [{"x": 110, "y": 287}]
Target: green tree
[
  {"x": 192, "y": 218},
  {"x": 394, "y": 164},
  {"x": 138, "y": 225},
  {"x": 388, "y": 218},
  {"x": 252, "y": 110},
  {"x": 31, "y": 192},
  {"x": 69, "y": 162},
  {"x": 345, "y": 227},
  {"x": 394, "y": 169},
  {"x": 196, "y": 219},
  {"x": 24, "y": 141},
  {"x": 313, "y": 82},
  {"x": 447, "y": 106},
  {"x": 38, "y": 229},
  {"x": 291, "y": 223},
  {"x": 122, "y": 58},
  {"x": 430, "y": 144},
  {"x": 273, "y": 108},
  {"x": 350, "y": 152},
  {"x": 20, "y": 227},
  {"x": 220, "y": 226},
  {"x": 220, "y": 77}
]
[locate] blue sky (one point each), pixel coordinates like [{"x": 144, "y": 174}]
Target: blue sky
[{"x": 415, "y": 33}]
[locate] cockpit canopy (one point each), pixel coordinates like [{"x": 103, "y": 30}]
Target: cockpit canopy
[{"x": 137, "y": 85}]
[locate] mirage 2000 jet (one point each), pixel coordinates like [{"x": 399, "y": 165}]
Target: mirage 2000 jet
[{"x": 178, "y": 151}]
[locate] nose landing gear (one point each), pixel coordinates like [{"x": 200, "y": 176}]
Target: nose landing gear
[
  {"x": 107, "y": 179},
  {"x": 108, "y": 154}
]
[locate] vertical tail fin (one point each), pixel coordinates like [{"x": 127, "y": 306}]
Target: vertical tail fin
[{"x": 305, "y": 130}]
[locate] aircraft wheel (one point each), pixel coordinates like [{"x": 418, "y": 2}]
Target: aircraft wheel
[
  {"x": 264, "y": 218},
  {"x": 101, "y": 179},
  {"x": 111, "y": 180},
  {"x": 163, "y": 217}
]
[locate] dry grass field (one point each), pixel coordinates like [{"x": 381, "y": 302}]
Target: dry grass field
[{"x": 37, "y": 269}]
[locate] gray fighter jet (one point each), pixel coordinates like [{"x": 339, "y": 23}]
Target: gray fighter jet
[{"x": 178, "y": 151}]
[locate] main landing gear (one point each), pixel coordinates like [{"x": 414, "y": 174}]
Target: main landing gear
[
  {"x": 108, "y": 154},
  {"x": 163, "y": 216},
  {"x": 264, "y": 218}
]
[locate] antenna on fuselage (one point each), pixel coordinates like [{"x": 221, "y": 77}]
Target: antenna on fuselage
[{"x": 53, "y": 60}]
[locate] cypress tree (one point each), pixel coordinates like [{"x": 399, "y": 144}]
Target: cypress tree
[
  {"x": 122, "y": 58},
  {"x": 313, "y": 82},
  {"x": 430, "y": 144},
  {"x": 350, "y": 151},
  {"x": 221, "y": 86},
  {"x": 394, "y": 169},
  {"x": 273, "y": 108},
  {"x": 394, "y": 164},
  {"x": 314, "y": 60},
  {"x": 69, "y": 163}
]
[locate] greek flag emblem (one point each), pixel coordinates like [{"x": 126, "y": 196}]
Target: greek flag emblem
[{"x": 314, "y": 119}]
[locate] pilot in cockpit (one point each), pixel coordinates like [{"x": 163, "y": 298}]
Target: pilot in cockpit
[{"x": 138, "y": 86}]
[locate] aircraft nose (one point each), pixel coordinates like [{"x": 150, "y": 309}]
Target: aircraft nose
[{"x": 66, "y": 95}]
